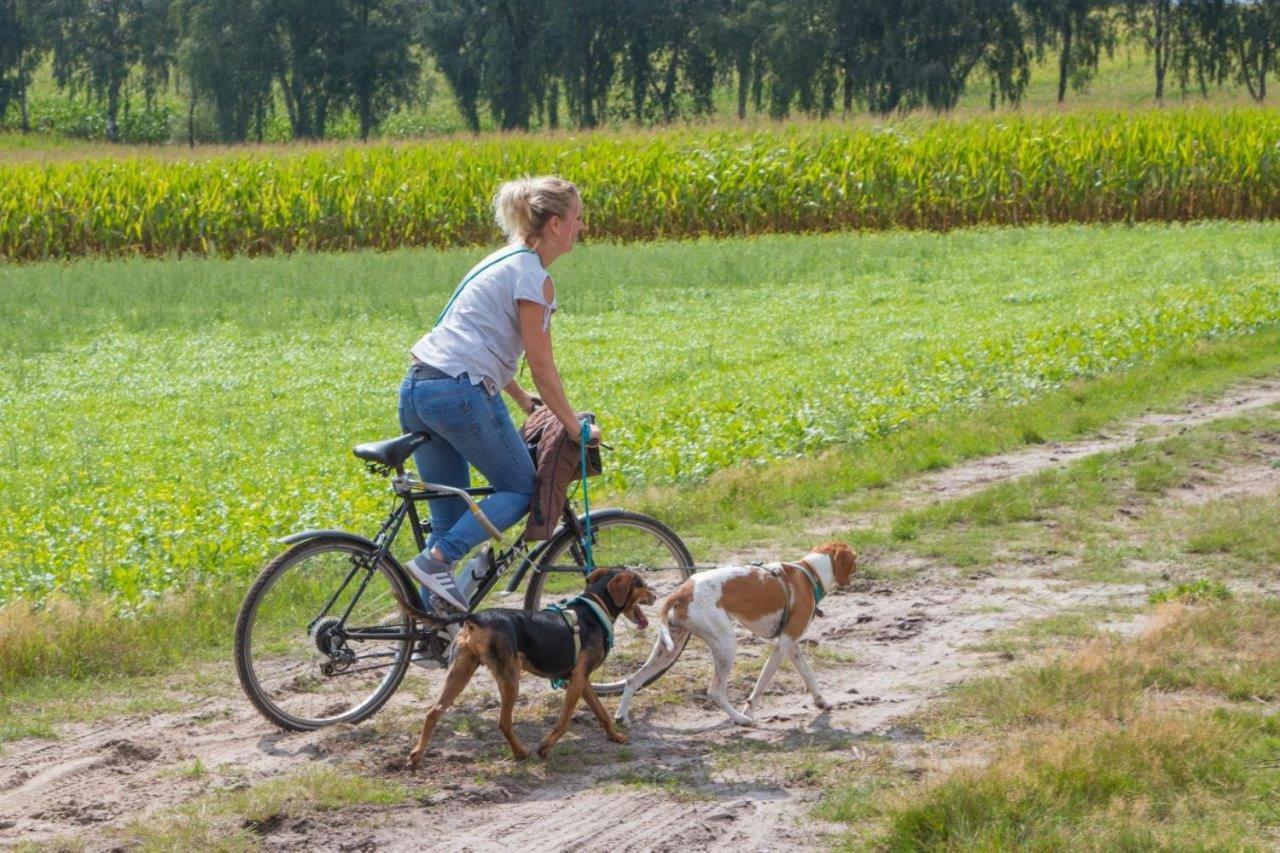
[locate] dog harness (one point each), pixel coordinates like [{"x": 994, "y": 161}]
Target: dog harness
[
  {"x": 570, "y": 618},
  {"x": 810, "y": 575}
]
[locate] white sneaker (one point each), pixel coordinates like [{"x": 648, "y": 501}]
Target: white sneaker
[{"x": 438, "y": 578}]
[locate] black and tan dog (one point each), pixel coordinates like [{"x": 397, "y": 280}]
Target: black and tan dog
[{"x": 507, "y": 641}]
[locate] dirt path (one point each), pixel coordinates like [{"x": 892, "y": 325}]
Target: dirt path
[{"x": 688, "y": 777}]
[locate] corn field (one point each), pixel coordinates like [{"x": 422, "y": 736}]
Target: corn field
[{"x": 1173, "y": 165}]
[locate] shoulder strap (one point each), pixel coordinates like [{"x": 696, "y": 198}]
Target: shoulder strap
[
  {"x": 570, "y": 618},
  {"x": 780, "y": 573},
  {"x": 467, "y": 280}
]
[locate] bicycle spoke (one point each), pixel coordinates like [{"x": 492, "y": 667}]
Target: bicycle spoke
[{"x": 308, "y": 670}]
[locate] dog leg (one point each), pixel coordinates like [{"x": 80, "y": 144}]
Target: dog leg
[
  {"x": 659, "y": 659},
  {"x": 724, "y": 646},
  {"x": 766, "y": 676},
  {"x": 572, "y": 693},
  {"x": 464, "y": 666},
  {"x": 593, "y": 702},
  {"x": 802, "y": 666},
  {"x": 508, "y": 678}
]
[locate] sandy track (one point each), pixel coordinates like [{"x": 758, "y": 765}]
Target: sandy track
[{"x": 688, "y": 777}]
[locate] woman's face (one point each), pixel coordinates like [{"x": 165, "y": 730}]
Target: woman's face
[{"x": 564, "y": 231}]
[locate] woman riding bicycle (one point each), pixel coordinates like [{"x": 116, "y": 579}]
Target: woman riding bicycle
[{"x": 502, "y": 308}]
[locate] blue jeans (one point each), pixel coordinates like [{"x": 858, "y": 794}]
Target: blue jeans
[{"x": 467, "y": 427}]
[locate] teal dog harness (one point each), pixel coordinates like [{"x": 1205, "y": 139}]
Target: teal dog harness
[{"x": 571, "y": 619}]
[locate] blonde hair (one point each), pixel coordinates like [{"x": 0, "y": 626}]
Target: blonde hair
[{"x": 522, "y": 207}]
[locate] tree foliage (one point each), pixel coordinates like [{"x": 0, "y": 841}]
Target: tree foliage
[{"x": 587, "y": 62}]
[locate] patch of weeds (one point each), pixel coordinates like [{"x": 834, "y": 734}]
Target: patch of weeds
[
  {"x": 1136, "y": 777},
  {"x": 1193, "y": 592},
  {"x": 37, "y": 706},
  {"x": 1104, "y": 561},
  {"x": 1154, "y": 783},
  {"x": 234, "y": 820},
  {"x": 1244, "y": 528},
  {"x": 828, "y": 654},
  {"x": 1050, "y": 631},
  {"x": 1156, "y": 475},
  {"x": 905, "y": 528},
  {"x": 673, "y": 782},
  {"x": 65, "y": 844},
  {"x": 212, "y": 715},
  {"x": 193, "y": 769}
]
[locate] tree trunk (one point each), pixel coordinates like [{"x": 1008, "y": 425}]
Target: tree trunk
[
  {"x": 113, "y": 110},
  {"x": 1161, "y": 15},
  {"x": 290, "y": 108},
  {"x": 1064, "y": 59},
  {"x": 191, "y": 120},
  {"x": 366, "y": 114},
  {"x": 744, "y": 81},
  {"x": 669, "y": 86},
  {"x": 639, "y": 82},
  {"x": 553, "y": 104},
  {"x": 22, "y": 104}
]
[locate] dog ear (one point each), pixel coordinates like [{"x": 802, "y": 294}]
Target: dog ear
[
  {"x": 620, "y": 589},
  {"x": 843, "y": 559},
  {"x": 595, "y": 576}
]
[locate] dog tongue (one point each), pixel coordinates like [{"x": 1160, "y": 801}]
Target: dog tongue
[{"x": 641, "y": 621}]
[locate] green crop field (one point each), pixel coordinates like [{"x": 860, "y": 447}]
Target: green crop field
[
  {"x": 164, "y": 420},
  {"x": 1089, "y": 167}
]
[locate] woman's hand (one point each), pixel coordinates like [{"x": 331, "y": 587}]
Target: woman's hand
[{"x": 522, "y": 398}]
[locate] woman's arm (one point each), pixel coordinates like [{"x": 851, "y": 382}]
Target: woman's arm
[
  {"x": 542, "y": 364},
  {"x": 521, "y": 396}
]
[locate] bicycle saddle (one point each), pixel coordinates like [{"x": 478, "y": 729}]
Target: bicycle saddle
[{"x": 391, "y": 452}]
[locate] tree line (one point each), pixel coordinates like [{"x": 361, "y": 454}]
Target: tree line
[{"x": 579, "y": 62}]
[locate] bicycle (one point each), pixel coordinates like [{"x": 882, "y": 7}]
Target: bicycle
[{"x": 328, "y": 629}]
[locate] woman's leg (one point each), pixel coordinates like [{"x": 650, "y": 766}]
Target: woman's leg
[
  {"x": 437, "y": 460},
  {"x": 497, "y": 451},
  {"x": 436, "y": 407}
]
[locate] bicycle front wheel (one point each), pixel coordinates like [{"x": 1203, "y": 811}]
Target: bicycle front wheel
[
  {"x": 295, "y": 656},
  {"x": 622, "y": 539}
]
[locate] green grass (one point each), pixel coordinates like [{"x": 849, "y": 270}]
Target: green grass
[
  {"x": 1083, "y": 510},
  {"x": 1138, "y": 745},
  {"x": 233, "y": 819},
  {"x": 169, "y": 419}
]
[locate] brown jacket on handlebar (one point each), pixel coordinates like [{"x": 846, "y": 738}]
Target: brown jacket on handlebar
[{"x": 558, "y": 461}]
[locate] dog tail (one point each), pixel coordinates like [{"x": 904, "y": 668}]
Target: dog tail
[{"x": 664, "y": 630}]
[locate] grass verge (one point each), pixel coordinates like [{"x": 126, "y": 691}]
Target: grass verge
[
  {"x": 239, "y": 819},
  {"x": 736, "y": 508},
  {"x": 1166, "y": 741}
]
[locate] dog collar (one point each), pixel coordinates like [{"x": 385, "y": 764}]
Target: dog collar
[{"x": 819, "y": 592}]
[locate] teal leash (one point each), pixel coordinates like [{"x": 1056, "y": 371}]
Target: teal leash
[
  {"x": 588, "y": 537},
  {"x": 467, "y": 280},
  {"x": 559, "y": 683}
]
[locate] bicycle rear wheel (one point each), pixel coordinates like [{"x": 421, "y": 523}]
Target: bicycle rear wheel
[
  {"x": 294, "y": 658},
  {"x": 625, "y": 539}
]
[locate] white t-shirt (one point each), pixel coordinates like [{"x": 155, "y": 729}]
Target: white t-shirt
[{"x": 480, "y": 332}]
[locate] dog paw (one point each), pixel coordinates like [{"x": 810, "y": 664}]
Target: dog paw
[
  {"x": 746, "y": 722},
  {"x": 519, "y": 754},
  {"x": 543, "y": 750},
  {"x": 411, "y": 766},
  {"x": 823, "y": 703},
  {"x": 617, "y": 737}
]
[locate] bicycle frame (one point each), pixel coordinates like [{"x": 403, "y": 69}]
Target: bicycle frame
[{"x": 412, "y": 492}]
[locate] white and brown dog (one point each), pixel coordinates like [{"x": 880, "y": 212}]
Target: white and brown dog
[{"x": 775, "y": 601}]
